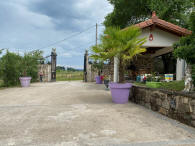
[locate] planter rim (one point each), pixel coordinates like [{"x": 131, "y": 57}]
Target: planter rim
[
  {"x": 25, "y": 77},
  {"x": 120, "y": 85}
]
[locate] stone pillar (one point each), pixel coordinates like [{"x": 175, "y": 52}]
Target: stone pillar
[
  {"x": 85, "y": 65},
  {"x": 53, "y": 65},
  {"x": 116, "y": 69},
  {"x": 180, "y": 73}
]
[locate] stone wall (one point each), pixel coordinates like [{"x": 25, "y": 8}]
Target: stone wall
[
  {"x": 46, "y": 70},
  {"x": 176, "y": 105},
  {"x": 108, "y": 70},
  {"x": 91, "y": 73}
]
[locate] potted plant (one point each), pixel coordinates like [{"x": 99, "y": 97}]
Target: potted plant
[
  {"x": 106, "y": 81},
  {"x": 29, "y": 69},
  {"x": 25, "y": 79},
  {"x": 122, "y": 46},
  {"x": 98, "y": 65}
]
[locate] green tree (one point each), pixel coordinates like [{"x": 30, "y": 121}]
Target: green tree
[
  {"x": 128, "y": 12},
  {"x": 185, "y": 49},
  {"x": 121, "y": 44},
  {"x": 30, "y": 62},
  {"x": 10, "y": 65},
  {"x": 13, "y": 66},
  {"x": 98, "y": 65}
]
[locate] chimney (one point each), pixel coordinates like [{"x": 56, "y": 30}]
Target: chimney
[{"x": 154, "y": 17}]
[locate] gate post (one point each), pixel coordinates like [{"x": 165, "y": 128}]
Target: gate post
[
  {"x": 85, "y": 65},
  {"x": 53, "y": 65}
]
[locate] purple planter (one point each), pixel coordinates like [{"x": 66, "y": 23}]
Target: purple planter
[
  {"x": 25, "y": 81},
  {"x": 98, "y": 80},
  {"x": 120, "y": 92}
]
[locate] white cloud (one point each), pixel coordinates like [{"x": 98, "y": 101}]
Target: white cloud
[{"x": 34, "y": 24}]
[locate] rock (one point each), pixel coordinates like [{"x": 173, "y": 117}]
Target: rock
[
  {"x": 193, "y": 123},
  {"x": 163, "y": 111},
  {"x": 193, "y": 116},
  {"x": 184, "y": 108},
  {"x": 166, "y": 104},
  {"x": 147, "y": 105},
  {"x": 185, "y": 100}
]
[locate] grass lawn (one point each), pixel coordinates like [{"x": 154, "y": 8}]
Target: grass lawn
[
  {"x": 175, "y": 85},
  {"x": 69, "y": 75}
]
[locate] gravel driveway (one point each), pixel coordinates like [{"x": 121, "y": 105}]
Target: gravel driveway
[{"x": 77, "y": 113}]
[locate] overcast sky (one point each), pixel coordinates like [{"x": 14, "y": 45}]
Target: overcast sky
[{"x": 34, "y": 24}]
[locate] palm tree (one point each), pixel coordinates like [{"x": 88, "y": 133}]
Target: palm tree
[{"x": 122, "y": 45}]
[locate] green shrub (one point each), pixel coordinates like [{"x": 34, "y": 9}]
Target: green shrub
[
  {"x": 30, "y": 63},
  {"x": 13, "y": 66},
  {"x": 10, "y": 65}
]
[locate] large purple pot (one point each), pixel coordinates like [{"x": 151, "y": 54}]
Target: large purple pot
[
  {"x": 25, "y": 81},
  {"x": 98, "y": 80},
  {"x": 120, "y": 92}
]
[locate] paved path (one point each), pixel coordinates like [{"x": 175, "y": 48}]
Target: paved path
[{"x": 76, "y": 113}]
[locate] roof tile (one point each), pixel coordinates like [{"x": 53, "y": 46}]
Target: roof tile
[{"x": 164, "y": 24}]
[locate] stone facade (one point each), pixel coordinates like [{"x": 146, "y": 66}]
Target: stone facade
[
  {"x": 176, "y": 105},
  {"x": 144, "y": 64},
  {"x": 108, "y": 71}
]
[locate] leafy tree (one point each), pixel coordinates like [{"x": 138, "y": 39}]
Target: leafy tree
[
  {"x": 127, "y": 12},
  {"x": 60, "y": 68},
  {"x": 121, "y": 44},
  {"x": 185, "y": 49},
  {"x": 13, "y": 66},
  {"x": 98, "y": 65},
  {"x": 30, "y": 62},
  {"x": 10, "y": 65}
]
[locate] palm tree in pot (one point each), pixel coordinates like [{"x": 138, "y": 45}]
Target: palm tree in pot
[
  {"x": 29, "y": 69},
  {"x": 122, "y": 46},
  {"x": 97, "y": 65}
]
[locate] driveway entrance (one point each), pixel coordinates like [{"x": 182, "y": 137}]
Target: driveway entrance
[{"x": 77, "y": 113}]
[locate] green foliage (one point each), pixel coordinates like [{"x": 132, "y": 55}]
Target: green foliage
[
  {"x": 185, "y": 48},
  {"x": 14, "y": 66},
  {"x": 127, "y": 12},
  {"x": 30, "y": 62},
  {"x": 123, "y": 44},
  {"x": 10, "y": 65},
  {"x": 98, "y": 64},
  {"x": 174, "y": 86},
  {"x": 60, "y": 68},
  {"x": 69, "y": 75}
]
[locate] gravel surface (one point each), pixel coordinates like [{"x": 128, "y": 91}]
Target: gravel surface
[{"x": 82, "y": 114}]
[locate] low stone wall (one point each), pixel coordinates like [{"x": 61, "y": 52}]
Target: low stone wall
[{"x": 176, "y": 105}]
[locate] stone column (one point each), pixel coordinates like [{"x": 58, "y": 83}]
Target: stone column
[
  {"x": 180, "y": 73},
  {"x": 53, "y": 65},
  {"x": 116, "y": 69},
  {"x": 85, "y": 65}
]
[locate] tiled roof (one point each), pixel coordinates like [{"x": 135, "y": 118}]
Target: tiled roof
[{"x": 155, "y": 21}]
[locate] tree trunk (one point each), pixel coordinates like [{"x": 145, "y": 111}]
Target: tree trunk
[
  {"x": 189, "y": 86},
  {"x": 121, "y": 72}
]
